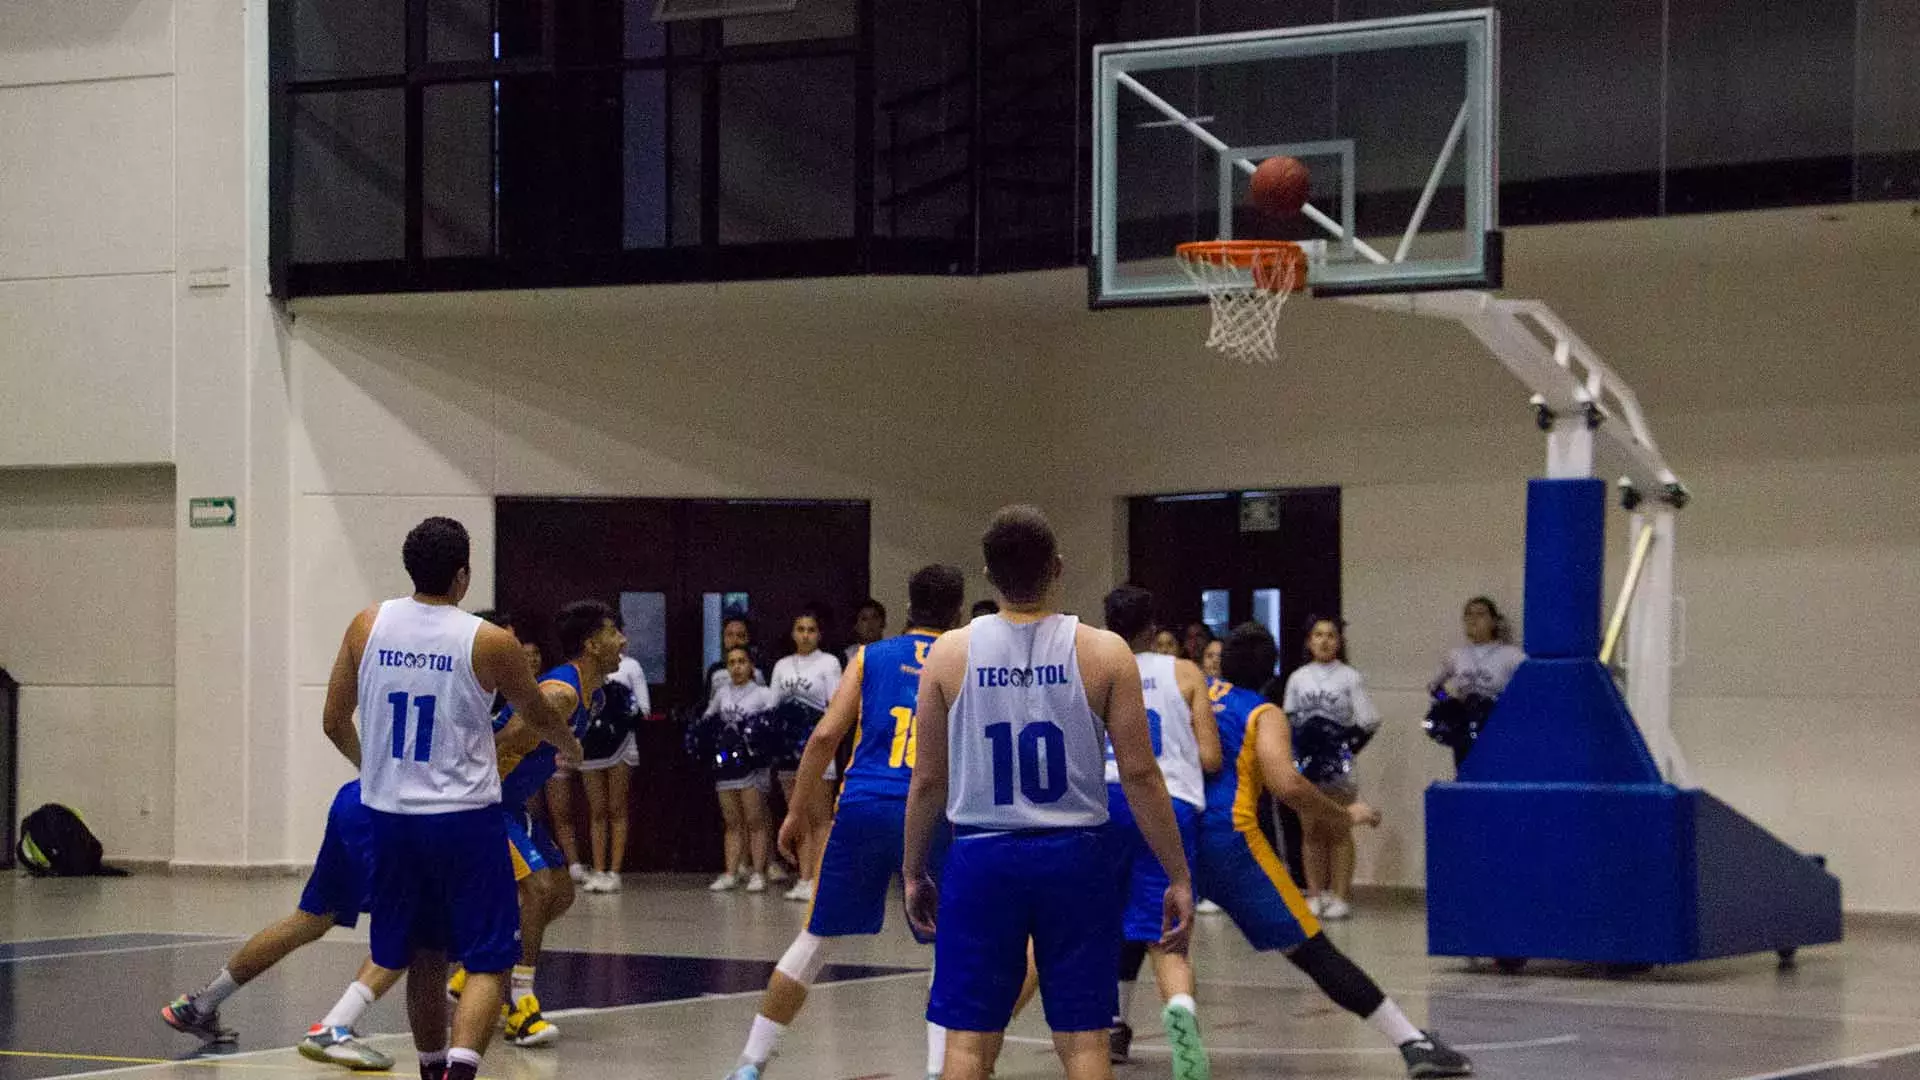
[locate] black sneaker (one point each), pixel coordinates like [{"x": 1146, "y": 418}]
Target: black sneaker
[
  {"x": 1120, "y": 1044},
  {"x": 1428, "y": 1056},
  {"x": 434, "y": 1071},
  {"x": 182, "y": 1015}
]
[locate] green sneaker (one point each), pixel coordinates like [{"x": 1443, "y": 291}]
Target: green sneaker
[
  {"x": 1183, "y": 1034},
  {"x": 338, "y": 1046}
]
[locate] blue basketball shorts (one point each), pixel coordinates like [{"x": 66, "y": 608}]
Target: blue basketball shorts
[
  {"x": 859, "y": 865},
  {"x": 341, "y": 884},
  {"x": 444, "y": 882},
  {"x": 1002, "y": 889},
  {"x": 1238, "y": 869},
  {"x": 1141, "y": 880},
  {"x": 529, "y": 845}
]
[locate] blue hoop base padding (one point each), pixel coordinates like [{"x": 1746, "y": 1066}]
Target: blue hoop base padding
[
  {"x": 1613, "y": 873},
  {"x": 1566, "y": 556},
  {"x": 1561, "y": 721}
]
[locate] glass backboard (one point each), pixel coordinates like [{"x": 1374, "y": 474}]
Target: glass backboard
[{"x": 1396, "y": 118}]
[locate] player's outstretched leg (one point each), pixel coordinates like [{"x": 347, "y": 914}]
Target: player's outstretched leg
[
  {"x": 333, "y": 1040},
  {"x": 198, "y": 1013},
  {"x": 545, "y": 895},
  {"x": 1348, "y": 987}
]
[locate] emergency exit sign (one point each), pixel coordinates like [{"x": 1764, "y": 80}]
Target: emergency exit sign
[{"x": 215, "y": 512}]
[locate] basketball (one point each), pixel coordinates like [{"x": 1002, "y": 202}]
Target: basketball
[{"x": 1279, "y": 186}]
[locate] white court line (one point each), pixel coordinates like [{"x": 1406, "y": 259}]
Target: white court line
[
  {"x": 117, "y": 952},
  {"x": 704, "y": 999},
  {"x": 1701, "y": 1008},
  {"x": 1323, "y": 1051},
  {"x": 110, "y": 933},
  {"x": 1836, "y": 1063}
]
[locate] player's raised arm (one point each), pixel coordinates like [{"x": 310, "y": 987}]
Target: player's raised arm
[
  {"x": 927, "y": 793},
  {"x": 1140, "y": 778},
  {"x": 343, "y": 688},
  {"x": 842, "y": 711},
  {"x": 1206, "y": 733},
  {"x": 498, "y": 660}
]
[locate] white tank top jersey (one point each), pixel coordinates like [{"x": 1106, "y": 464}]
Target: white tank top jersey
[
  {"x": 426, "y": 733},
  {"x": 1171, "y": 722},
  {"x": 1025, "y": 750}
]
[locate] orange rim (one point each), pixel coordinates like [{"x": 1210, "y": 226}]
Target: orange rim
[{"x": 1273, "y": 261}]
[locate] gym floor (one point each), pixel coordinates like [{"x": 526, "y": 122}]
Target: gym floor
[{"x": 662, "y": 980}]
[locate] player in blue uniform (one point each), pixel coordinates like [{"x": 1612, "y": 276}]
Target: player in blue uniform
[
  {"x": 876, "y": 700},
  {"x": 591, "y": 638},
  {"x": 336, "y": 894},
  {"x": 421, "y": 674},
  {"x": 1015, "y": 712},
  {"x": 1237, "y": 868}
]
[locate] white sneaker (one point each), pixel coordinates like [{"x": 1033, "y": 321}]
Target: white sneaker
[
  {"x": 1206, "y": 907},
  {"x": 801, "y": 893},
  {"x": 1335, "y": 909},
  {"x": 1317, "y": 904},
  {"x": 757, "y": 883},
  {"x": 725, "y": 883},
  {"x": 579, "y": 873},
  {"x": 609, "y": 881}
]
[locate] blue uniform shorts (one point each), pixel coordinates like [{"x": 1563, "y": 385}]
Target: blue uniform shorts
[
  {"x": 1002, "y": 889},
  {"x": 859, "y": 865},
  {"x": 444, "y": 882},
  {"x": 529, "y": 845},
  {"x": 1239, "y": 870},
  {"x": 341, "y": 884},
  {"x": 1141, "y": 881}
]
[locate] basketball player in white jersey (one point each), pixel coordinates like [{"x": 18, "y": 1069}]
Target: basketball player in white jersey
[
  {"x": 1187, "y": 744},
  {"x": 1015, "y": 712},
  {"x": 423, "y": 674}
]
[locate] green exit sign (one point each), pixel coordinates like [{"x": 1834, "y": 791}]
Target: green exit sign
[{"x": 217, "y": 512}]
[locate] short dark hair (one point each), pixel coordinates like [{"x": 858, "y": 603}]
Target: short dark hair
[
  {"x": 496, "y": 616},
  {"x": 934, "y": 596},
  {"x": 1129, "y": 611},
  {"x": 737, "y": 617},
  {"x": 1020, "y": 550},
  {"x": 731, "y": 649},
  {"x": 870, "y": 604},
  {"x": 1249, "y": 656},
  {"x": 579, "y": 621},
  {"x": 435, "y": 551},
  {"x": 989, "y": 606}
]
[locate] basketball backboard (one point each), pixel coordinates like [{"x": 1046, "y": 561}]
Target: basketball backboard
[{"x": 1396, "y": 118}]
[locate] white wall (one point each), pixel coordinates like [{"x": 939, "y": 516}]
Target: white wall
[{"x": 86, "y": 626}]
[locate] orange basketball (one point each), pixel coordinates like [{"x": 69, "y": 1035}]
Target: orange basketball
[{"x": 1279, "y": 186}]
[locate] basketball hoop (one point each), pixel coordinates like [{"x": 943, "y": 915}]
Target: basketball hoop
[{"x": 1246, "y": 283}]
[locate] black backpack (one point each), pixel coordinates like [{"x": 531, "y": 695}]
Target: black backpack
[{"x": 54, "y": 842}]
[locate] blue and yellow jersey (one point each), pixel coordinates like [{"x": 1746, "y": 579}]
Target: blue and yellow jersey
[
  {"x": 524, "y": 770},
  {"x": 1233, "y": 793},
  {"x": 884, "y": 739}
]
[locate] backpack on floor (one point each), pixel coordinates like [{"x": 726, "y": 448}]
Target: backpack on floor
[{"x": 54, "y": 842}]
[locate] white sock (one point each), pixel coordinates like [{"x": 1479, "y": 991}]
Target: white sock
[
  {"x": 346, "y": 1012},
  {"x": 1388, "y": 1020},
  {"x": 1181, "y": 1001},
  {"x": 761, "y": 1041},
  {"x": 520, "y": 983},
  {"x": 936, "y": 1049},
  {"x": 461, "y": 1055},
  {"x": 433, "y": 1057},
  {"x": 217, "y": 991},
  {"x": 1126, "y": 999}
]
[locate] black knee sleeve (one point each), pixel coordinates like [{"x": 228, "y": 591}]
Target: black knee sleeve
[
  {"x": 1132, "y": 955},
  {"x": 1337, "y": 977}
]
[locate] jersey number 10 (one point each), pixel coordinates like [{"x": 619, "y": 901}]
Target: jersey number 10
[
  {"x": 423, "y": 738},
  {"x": 1039, "y": 785}
]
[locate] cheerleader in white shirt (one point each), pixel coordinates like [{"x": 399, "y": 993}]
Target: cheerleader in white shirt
[
  {"x": 743, "y": 789},
  {"x": 1326, "y": 694},
  {"x": 808, "y": 678},
  {"x": 1474, "y": 675}
]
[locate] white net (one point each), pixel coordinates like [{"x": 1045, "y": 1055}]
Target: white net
[{"x": 1246, "y": 290}]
